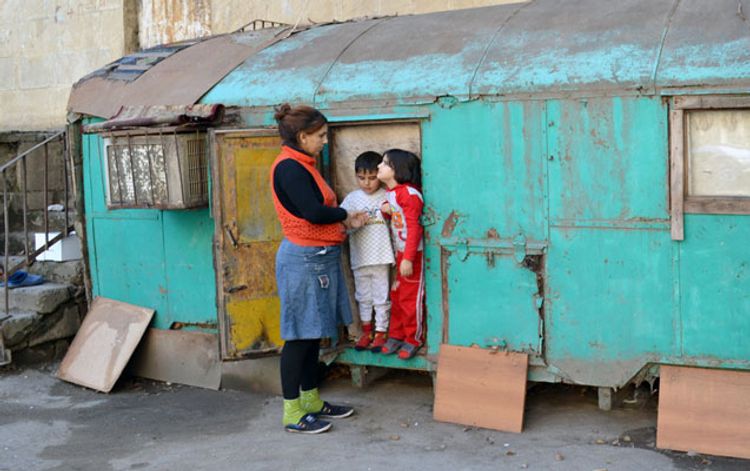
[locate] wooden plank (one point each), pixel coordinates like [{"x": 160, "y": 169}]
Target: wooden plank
[
  {"x": 482, "y": 388},
  {"x": 104, "y": 344},
  {"x": 677, "y": 173},
  {"x": 179, "y": 356},
  {"x": 717, "y": 205},
  {"x": 705, "y": 411},
  {"x": 711, "y": 102}
]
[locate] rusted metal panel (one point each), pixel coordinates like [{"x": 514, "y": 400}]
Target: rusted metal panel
[
  {"x": 607, "y": 161},
  {"x": 714, "y": 279},
  {"x": 414, "y": 56},
  {"x": 707, "y": 44},
  {"x": 107, "y": 338},
  {"x": 180, "y": 79},
  {"x": 558, "y": 45},
  {"x": 290, "y": 71},
  {"x": 248, "y": 234}
]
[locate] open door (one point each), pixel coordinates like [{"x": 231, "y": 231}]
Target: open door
[{"x": 247, "y": 235}]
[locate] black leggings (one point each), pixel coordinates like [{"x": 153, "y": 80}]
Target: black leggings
[{"x": 299, "y": 366}]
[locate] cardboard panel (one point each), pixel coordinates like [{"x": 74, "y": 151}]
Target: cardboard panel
[
  {"x": 179, "y": 357},
  {"x": 104, "y": 344},
  {"x": 705, "y": 411},
  {"x": 480, "y": 387}
]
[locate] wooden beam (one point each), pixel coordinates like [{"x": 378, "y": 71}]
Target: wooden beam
[{"x": 677, "y": 173}]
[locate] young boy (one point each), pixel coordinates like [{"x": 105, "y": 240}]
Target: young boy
[{"x": 371, "y": 252}]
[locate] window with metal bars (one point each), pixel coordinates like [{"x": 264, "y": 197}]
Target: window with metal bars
[{"x": 165, "y": 171}]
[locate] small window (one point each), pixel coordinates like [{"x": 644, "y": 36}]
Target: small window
[
  {"x": 157, "y": 171},
  {"x": 718, "y": 153},
  {"x": 709, "y": 157}
]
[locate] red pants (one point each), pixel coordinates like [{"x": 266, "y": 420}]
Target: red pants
[{"x": 407, "y": 303}]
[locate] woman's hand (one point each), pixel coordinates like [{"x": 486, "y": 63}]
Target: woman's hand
[
  {"x": 385, "y": 208},
  {"x": 355, "y": 219},
  {"x": 406, "y": 268}
]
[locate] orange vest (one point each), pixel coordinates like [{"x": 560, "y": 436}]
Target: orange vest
[{"x": 299, "y": 230}]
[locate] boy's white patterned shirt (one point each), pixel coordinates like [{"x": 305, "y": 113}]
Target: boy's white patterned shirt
[{"x": 370, "y": 244}]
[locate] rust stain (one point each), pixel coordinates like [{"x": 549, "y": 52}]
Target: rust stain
[
  {"x": 444, "y": 265},
  {"x": 199, "y": 325},
  {"x": 492, "y": 234},
  {"x": 450, "y": 225}
]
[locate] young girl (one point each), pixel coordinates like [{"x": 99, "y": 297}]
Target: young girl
[{"x": 400, "y": 171}]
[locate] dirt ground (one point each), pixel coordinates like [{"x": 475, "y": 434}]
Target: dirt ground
[{"x": 46, "y": 424}]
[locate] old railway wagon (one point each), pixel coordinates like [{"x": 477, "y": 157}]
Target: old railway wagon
[{"x": 586, "y": 177}]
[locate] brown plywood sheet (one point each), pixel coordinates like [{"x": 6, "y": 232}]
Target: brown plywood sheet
[
  {"x": 180, "y": 357},
  {"x": 104, "y": 344},
  {"x": 481, "y": 388},
  {"x": 704, "y": 410}
]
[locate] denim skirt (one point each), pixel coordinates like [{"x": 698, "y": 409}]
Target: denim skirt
[{"x": 313, "y": 293}]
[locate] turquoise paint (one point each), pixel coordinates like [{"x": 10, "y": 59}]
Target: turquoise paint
[
  {"x": 485, "y": 162},
  {"x": 608, "y": 160},
  {"x": 353, "y": 357},
  {"x": 715, "y": 281},
  {"x": 609, "y": 295},
  {"x": 618, "y": 66},
  {"x": 484, "y": 168},
  {"x": 491, "y": 302},
  {"x": 706, "y": 64},
  {"x": 152, "y": 258}
]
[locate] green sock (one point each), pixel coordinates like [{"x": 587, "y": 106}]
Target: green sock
[
  {"x": 311, "y": 401},
  {"x": 292, "y": 411}
]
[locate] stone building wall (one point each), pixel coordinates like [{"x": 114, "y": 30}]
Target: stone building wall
[{"x": 47, "y": 45}]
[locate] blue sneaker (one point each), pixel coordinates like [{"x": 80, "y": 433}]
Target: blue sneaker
[
  {"x": 330, "y": 411},
  {"x": 391, "y": 346},
  {"x": 20, "y": 279},
  {"x": 309, "y": 424}
]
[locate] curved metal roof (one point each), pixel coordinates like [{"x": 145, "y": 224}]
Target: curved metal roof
[{"x": 537, "y": 47}]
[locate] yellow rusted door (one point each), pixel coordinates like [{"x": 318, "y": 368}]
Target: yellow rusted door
[{"x": 246, "y": 239}]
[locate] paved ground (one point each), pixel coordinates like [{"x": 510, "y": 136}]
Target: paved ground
[{"x": 46, "y": 424}]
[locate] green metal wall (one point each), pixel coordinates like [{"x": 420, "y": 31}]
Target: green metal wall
[
  {"x": 152, "y": 258},
  {"x": 582, "y": 185}
]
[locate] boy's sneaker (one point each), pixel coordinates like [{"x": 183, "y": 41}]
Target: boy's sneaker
[
  {"x": 330, "y": 411},
  {"x": 309, "y": 424},
  {"x": 363, "y": 343},
  {"x": 391, "y": 346},
  {"x": 378, "y": 342},
  {"x": 407, "y": 351}
]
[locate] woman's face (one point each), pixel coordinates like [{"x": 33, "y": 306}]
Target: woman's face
[{"x": 313, "y": 142}]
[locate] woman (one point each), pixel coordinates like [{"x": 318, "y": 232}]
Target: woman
[{"x": 314, "y": 297}]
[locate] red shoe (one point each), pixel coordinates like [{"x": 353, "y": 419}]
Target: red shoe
[
  {"x": 378, "y": 342},
  {"x": 408, "y": 351},
  {"x": 363, "y": 343}
]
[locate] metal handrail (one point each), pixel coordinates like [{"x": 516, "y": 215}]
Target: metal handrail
[
  {"x": 31, "y": 256},
  {"x": 15, "y": 159}
]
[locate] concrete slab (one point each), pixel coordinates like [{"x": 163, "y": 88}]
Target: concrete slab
[
  {"x": 43, "y": 298},
  {"x": 46, "y": 424}
]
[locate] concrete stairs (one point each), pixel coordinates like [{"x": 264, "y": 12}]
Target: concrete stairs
[{"x": 43, "y": 319}]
